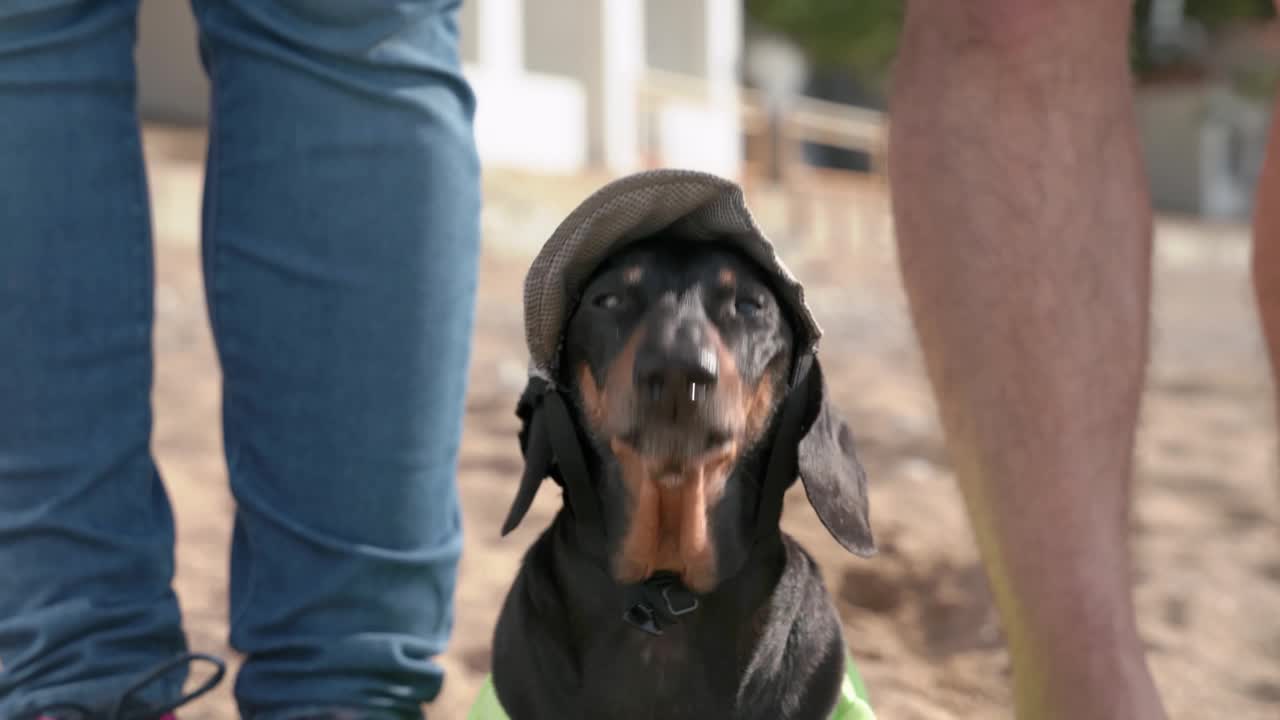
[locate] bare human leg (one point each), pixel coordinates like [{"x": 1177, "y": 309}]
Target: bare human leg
[
  {"x": 1024, "y": 238},
  {"x": 1266, "y": 245}
]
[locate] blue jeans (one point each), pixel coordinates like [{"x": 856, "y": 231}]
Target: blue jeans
[{"x": 340, "y": 243}]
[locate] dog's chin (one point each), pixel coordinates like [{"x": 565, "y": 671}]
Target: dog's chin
[
  {"x": 671, "y": 491},
  {"x": 671, "y": 453}
]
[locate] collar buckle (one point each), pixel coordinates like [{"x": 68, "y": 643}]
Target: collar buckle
[
  {"x": 691, "y": 600},
  {"x": 659, "y": 602}
]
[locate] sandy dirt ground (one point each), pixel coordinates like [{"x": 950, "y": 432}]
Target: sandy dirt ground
[{"x": 918, "y": 616}]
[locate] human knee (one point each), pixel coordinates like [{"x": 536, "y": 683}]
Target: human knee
[
  {"x": 1022, "y": 27},
  {"x": 347, "y": 14},
  {"x": 403, "y": 35},
  {"x": 33, "y": 22},
  {"x": 34, "y": 11}
]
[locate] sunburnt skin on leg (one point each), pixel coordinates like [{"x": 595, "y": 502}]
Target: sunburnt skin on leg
[{"x": 1024, "y": 235}]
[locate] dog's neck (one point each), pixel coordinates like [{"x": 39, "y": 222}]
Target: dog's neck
[
  {"x": 598, "y": 599},
  {"x": 717, "y": 653},
  {"x": 697, "y": 527},
  {"x": 748, "y": 581},
  {"x": 724, "y": 654}
]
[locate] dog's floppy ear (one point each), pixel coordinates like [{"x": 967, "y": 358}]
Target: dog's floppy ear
[
  {"x": 828, "y": 466},
  {"x": 550, "y": 443},
  {"x": 535, "y": 445}
]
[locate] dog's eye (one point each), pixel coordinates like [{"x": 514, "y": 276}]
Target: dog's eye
[
  {"x": 748, "y": 306},
  {"x": 608, "y": 301}
]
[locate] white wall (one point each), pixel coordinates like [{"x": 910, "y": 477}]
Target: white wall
[
  {"x": 700, "y": 39},
  {"x": 557, "y": 81},
  {"x": 599, "y": 44},
  {"x": 530, "y": 122}
]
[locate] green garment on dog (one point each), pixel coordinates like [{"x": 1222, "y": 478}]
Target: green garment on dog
[{"x": 852, "y": 705}]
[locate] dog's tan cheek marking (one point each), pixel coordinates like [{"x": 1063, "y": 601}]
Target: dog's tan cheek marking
[
  {"x": 703, "y": 490},
  {"x": 618, "y": 396},
  {"x": 633, "y": 275},
  {"x": 728, "y": 278},
  {"x": 760, "y": 404},
  {"x": 759, "y": 407},
  {"x": 592, "y": 403},
  {"x": 638, "y": 552},
  {"x": 729, "y": 388},
  {"x": 636, "y": 556}
]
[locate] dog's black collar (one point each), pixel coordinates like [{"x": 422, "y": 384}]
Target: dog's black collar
[{"x": 658, "y": 603}]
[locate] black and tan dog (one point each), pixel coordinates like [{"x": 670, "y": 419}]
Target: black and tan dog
[{"x": 683, "y": 404}]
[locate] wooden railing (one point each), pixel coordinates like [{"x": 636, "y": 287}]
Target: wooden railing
[{"x": 845, "y": 202}]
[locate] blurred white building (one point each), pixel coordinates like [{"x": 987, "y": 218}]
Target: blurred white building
[
  {"x": 563, "y": 86},
  {"x": 1203, "y": 138}
]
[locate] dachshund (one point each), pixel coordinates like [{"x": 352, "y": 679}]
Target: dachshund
[{"x": 664, "y": 588}]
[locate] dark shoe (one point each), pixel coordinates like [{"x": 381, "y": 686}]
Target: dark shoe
[{"x": 127, "y": 707}]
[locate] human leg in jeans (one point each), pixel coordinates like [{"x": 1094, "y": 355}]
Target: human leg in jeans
[
  {"x": 341, "y": 227},
  {"x": 86, "y": 535}
]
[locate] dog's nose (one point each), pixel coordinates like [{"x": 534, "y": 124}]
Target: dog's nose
[{"x": 683, "y": 359}]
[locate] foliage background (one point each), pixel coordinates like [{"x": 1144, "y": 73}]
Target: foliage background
[{"x": 860, "y": 37}]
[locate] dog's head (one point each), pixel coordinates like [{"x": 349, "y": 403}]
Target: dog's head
[{"x": 679, "y": 357}]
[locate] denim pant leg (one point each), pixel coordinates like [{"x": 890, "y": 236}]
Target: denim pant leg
[
  {"x": 341, "y": 236},
  {"x": 86, "y": 535}
]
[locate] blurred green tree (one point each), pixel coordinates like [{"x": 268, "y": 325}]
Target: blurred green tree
[
  {"x": 1212, "y": 15},
  {"x": 857, "y": 36},
  {"x": 1216, "y": 14},
  {"x": 860, "y": 36}
]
